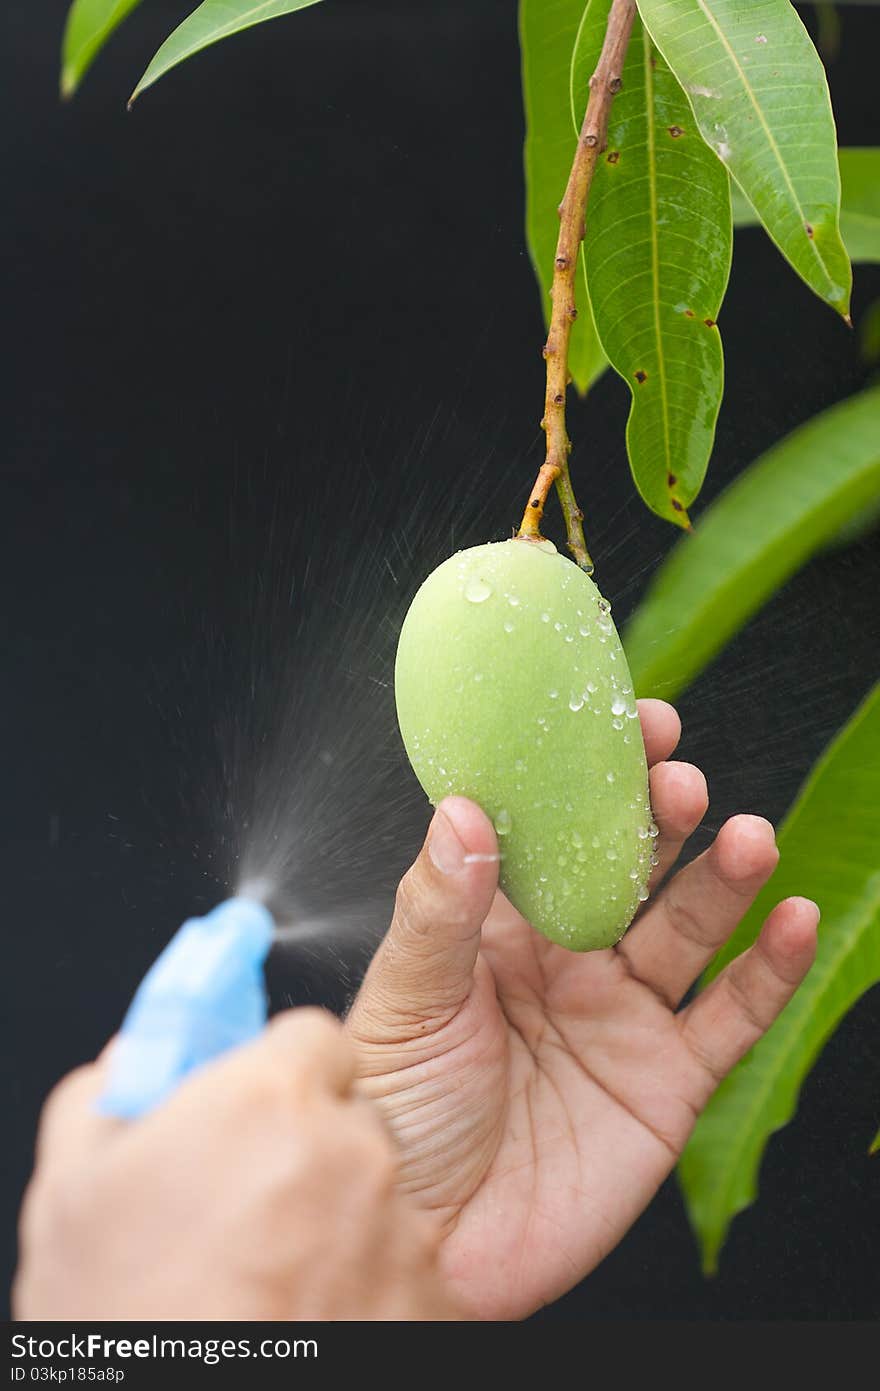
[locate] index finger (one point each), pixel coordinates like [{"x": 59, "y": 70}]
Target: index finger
[
  {"x": 70, "y": 1122},
  {"x": 312, "y": 1043},
  {"x": 300, "y": 1059},
  {"x": 301, "y": 1054}
]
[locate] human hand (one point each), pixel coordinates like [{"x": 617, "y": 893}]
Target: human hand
[
  {"x": 262, "y": 1189},
  {"x": 540, "y": 1097}
]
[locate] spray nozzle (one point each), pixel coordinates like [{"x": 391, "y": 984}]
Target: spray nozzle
[{"x": 203, "y": 995}]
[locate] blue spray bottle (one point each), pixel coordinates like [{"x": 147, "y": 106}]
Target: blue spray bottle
[{"x": 203, "y": 995}]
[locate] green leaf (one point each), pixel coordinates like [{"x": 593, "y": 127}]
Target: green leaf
[
  {"x": 767, "y": 524},
  {"x": 658, "y": 249},
  {"x": 830, "y": 857},
  {"x": 859, "y": 202},
  {"x": 547, "y": 30},
  {"x": 869, "y": 333},
  {"x": 89, "y": 25},
  {"x": 212, "y": 21},
  {"x": 863, "y": 521},
  {"x": 744, "y": 214},
  {"x": 759, "y": 94},
  {"x": 875, "y": 1144}
]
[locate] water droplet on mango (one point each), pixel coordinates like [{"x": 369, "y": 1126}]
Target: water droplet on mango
[{"x": 477, "y": 590}]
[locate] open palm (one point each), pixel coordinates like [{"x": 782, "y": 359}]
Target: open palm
[{"x": 540, "y": 1097}]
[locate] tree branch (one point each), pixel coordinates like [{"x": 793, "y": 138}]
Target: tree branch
[{"x": 604, "y": 83}]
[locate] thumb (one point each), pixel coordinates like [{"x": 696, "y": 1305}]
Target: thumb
[{"x": 423, "y": 969}]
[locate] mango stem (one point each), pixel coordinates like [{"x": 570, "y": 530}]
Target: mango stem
[{"x": 605, "y": 82}]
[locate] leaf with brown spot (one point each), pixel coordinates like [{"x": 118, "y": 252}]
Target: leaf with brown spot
[
  {"x": 859, "y": 202},
  {"x": 658, "y": 244},
  {"x": 759, "y": 95}
]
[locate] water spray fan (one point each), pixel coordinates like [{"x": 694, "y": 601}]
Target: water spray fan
[{"x": 203, "y": 995}]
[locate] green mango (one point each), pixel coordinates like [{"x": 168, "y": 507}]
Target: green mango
[{"x": 513, "y": 689}]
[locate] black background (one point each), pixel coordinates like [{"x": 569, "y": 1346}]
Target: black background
[{"x": 271, "y": 349}]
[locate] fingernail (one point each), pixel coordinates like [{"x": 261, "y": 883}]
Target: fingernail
[{"x": 444, "y": 847}]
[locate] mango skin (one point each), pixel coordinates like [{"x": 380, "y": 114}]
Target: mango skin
[{"x": 513, "y": 689}]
